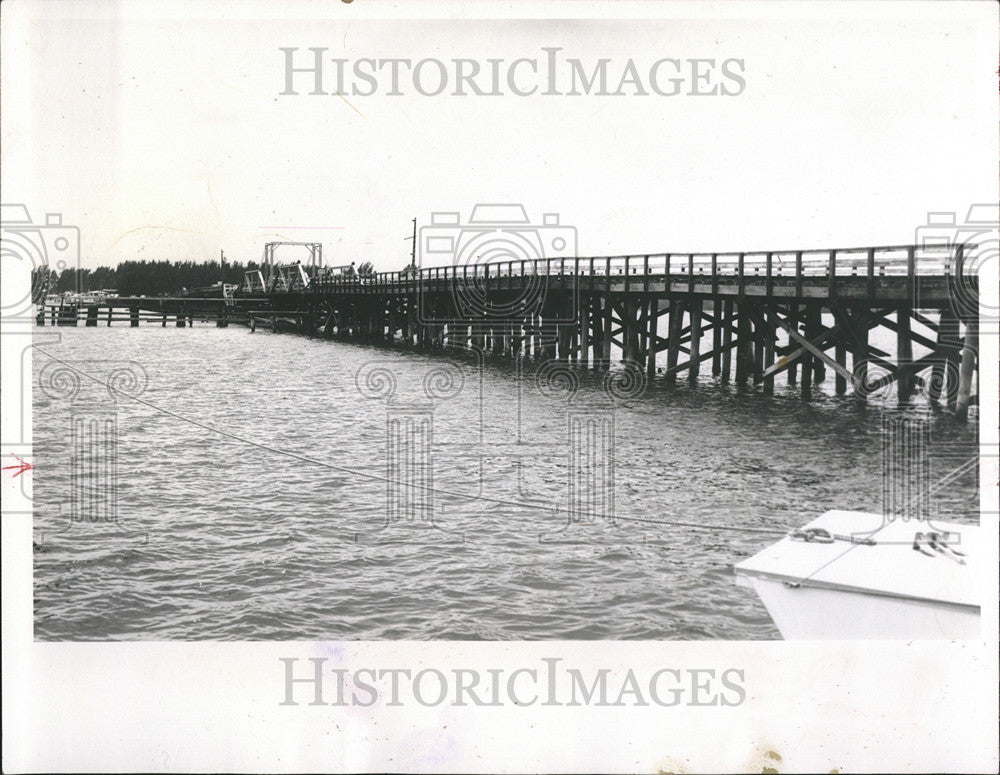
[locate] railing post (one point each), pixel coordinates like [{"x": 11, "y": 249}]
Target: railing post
[
  {"x": 953, "y": 274},
  {"x": 831, "y": 270},
  {"x": 645, "y": 274},
  {"x": 715, "y": 278},
  {"x": 607, "y": 273},
  {"x": 769, "y": 282},
  {"x": 871, "y": 273},
  {"x": 627, "y": 258},
  {"x": 739, "y": 271},
  {"x": 798, "y": 273},
  {"x": 690, "y": 272},
  {"x": 911, "y": 272}
]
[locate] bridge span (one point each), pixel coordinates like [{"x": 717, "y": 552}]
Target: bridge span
[{"x": 746, "y": 316}]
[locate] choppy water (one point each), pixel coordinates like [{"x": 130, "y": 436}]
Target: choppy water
[{"x": 214, "y": 538}]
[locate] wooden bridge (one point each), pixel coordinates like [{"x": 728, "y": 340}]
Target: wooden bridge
[{"x": 791, "y": 313}]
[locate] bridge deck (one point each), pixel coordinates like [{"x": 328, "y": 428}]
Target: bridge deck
[{"x": 766, "y": 309}]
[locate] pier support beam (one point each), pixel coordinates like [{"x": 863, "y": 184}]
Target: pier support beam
[
  {"x": 651, "y": 336},
  {"x": 793, "y": 322},
  {"x": 727, "y": 339},
  {"x": 859, "y": 355},
  {"x": 904, "y": 357},
  {"x": 808, "y": 359},
  {"x": 717, "y": 321},
  {"x": 841, "y": 356},
  {"x": 967, "y": 370},
  {"x": 694, "y": 315},
  {"x": 769, "y": 333},
  {"x": 743, "y": 343},
  {"x": 133, "y": 317},
  {"x": 816, "y": 322},
  {"x": 606, "y": 342},
  {"x": 674, "y": 326}
]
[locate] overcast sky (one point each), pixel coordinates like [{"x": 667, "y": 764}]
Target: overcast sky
[{"x": 165, "y": 137}]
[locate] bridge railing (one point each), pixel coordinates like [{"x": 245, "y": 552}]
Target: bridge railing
[{"x": 637, "y": 271}]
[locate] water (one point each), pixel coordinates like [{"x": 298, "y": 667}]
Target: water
[{"x": 203, "y": 535}]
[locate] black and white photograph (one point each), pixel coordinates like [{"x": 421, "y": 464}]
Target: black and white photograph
[{"x": 500, "y": 387}]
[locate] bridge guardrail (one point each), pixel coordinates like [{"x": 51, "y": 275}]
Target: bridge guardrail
[{"x": 774, "y": 266}]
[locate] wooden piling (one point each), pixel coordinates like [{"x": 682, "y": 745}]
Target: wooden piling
[
  {"x": 629, "y": 343},
  {"x": 904, "y": 354},
  {"x": 793, "y": 322},
  {"x": 808, "y": 368},
  {"x": 606, "y": 343},
  {"x": 654, "y": 314},
  {"x": 841, "y": 357},
  {"x": 967, "y": 370},
  {"x": 694, "y": 315},
  {"x": 950, "y": 341},
  {"x": 743, "y": 343},
  {"x": 759, "y": 343},
  {"x": 727, "y": 339},
  {"x": 770, "y": 314},
  {"x": 859, "y": 355},
  {"x": 716, "y": 338},
  {"x": 597, "y": 329},
  {"x": 674, "y": 326},
  {"x": 816, "y": 313}
]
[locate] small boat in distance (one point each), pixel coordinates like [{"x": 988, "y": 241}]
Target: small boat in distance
[{"x": 854, "y": 575}]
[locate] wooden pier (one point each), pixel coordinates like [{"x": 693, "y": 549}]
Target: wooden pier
[{"x": 747, "y": 317}]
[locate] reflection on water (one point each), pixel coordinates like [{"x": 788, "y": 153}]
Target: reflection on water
[{"x": 535, "y": 506}]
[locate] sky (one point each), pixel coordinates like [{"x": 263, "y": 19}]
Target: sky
[{"x": 160, "y": 129}]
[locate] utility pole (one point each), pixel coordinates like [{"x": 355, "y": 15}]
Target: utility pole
[{"x": 413, "y": 247}]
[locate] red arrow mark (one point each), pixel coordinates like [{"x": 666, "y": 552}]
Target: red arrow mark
[{"x": 20, "y": 468}]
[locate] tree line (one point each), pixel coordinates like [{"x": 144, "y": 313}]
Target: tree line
[{"x": 149, "y": 278}]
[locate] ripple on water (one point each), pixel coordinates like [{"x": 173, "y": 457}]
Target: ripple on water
[{"x": 217, "y": 539}]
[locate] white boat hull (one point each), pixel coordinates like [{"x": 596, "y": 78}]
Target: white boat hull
[
  {"x": 811, "y": 613},
  {"x": 899, "y": 586}
]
